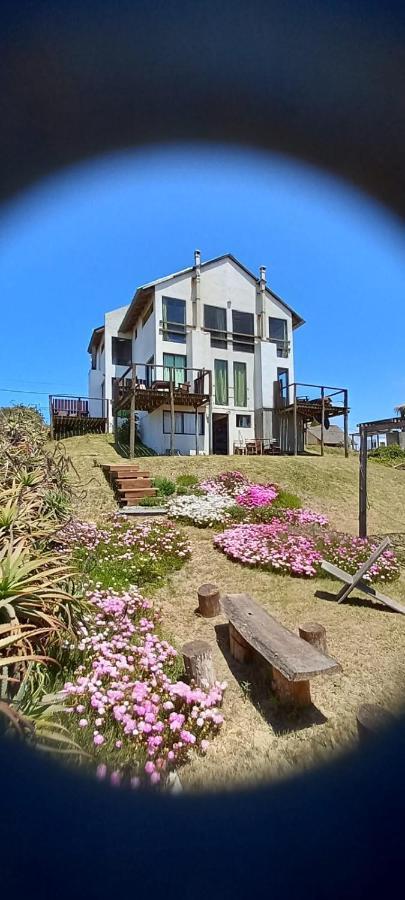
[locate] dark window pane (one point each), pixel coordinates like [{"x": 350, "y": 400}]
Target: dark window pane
[
  {"x": 243, "y": 331},
  {"x": 215, "y": 322},
  {"x": 174, "y": 320},
  {"x": 243, "y": 421},
  {"x": 121, "y": 351},
  {"x": 278, "y": 333}
]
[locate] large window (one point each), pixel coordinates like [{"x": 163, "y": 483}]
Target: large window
[
  {"x": 243, "y": 325},
  {"x": 184, "y": 423},
  {"x": 174, "y": 320},
  {"x": 239, "y": 384},
  {"x": 175, "y": 364},
  {"x": 215, "y": 323},
  {"x": 221, "y": 382},
  {"x": 278, "y": 334},
  {"x": 121, "y": 351}
]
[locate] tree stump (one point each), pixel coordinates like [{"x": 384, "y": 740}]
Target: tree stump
[
  {"x": 240, "y": 649},
  {"x": 314, "y": 634},
  {"x": 372, "y": 719},
  {"x": 290, "y": 693},
  {"x": 208, "y": 600},
  {"x": 197, "y": 656}
]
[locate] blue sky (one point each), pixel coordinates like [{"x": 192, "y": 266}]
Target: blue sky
[{"x": 79, "y": 244}]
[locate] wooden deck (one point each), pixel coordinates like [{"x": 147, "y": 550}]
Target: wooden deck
[{"x": 149, "y": 399}]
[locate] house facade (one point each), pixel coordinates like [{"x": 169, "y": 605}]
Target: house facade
[{"x": 220, "y": 336}]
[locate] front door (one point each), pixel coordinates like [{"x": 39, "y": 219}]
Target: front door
[{"x": 220, "y": 442}]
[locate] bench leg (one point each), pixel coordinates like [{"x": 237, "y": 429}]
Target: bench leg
[
  {"x": 290, "y": 693},
  {"x": 240, "y": 649}
]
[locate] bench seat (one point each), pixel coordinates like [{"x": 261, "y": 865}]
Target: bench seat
[{"x": 293, "y": 661}]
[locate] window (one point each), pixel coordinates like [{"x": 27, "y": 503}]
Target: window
[
  {"x": 184, "y": 423},
  {"x": 149, "y": 371},
  {"x": 174, "y": 320},
  {"x": 179, "y": 364},
  {"x": 147, "y": 315},
  {"x": 278, "y": 334},
  {"x": 283, "y": 382},
  {"x": 243, "y": 331},
  {"x": 121, "y": 351},
  {"x": 221, "y": 382},
  {"x": 243, "y": 421},
  {"x": 239, "y": 384},
  {"x": 215, "y": 322}
]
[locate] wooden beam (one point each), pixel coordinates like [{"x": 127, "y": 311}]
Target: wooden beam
[
  {"x": 322, "y": 420},
  {"x": 210, "y": 412},
  {"x": 346, "y": 423},
  {"x": 363, "y": 586},
  {"x": 295, "y": 436},
  {"x": 172, "y": 415},
  {"x": 51, "y": 418},
  {"x": 363, "y": 483}
]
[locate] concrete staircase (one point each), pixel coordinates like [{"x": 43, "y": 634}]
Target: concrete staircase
[{"x": 130, "y": 483}]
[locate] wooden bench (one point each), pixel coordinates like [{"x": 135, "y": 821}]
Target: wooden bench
[{"x": 293, "y": 661}]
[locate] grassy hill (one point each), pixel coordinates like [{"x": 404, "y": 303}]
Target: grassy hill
[
  {"x": 329, "y": 484},
  {"x": 259, "y": 739}
]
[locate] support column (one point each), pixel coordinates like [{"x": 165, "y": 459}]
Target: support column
[
  {"x": 346, "y": 423},
  {"x": 295, "y": 422},
  {"x": 363, "y": 484},
  {"x": 172, "y": 417},
  {"x": 210, "y": 412},
  {"x": 322, "y": 420},
  {"x": 51, "y": 417},
  {"x": 196, "y": 430},
  {"x": 132, "y": 427}
]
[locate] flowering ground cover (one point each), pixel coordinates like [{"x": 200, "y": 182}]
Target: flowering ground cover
[
  {"x": 122, "y": 553},
  {"x": 295, "y": 543},
  {"x": 132, "y": 715},
  {"x": 202, "y": 511}
]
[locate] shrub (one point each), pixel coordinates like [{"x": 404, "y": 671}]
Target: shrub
[
  {"x": 164, "y": 486},
  {"x": 187, "y": 481},
  {"x": 286, "y": 500},
  {"x": 394, "y": 453},
  {"x": 150, "y": 501},
  {"x": 130, "y": 712}
]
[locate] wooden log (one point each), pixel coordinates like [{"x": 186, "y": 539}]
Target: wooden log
[
  {"x": 372, "y": 719},
  {"x": 197, "y": 656},
  {"x": 240, "y": 649},
  {"x": 314, "y": 634},
  {"x": 290, "y": 693},
  {"x": 208, "y": 600}
]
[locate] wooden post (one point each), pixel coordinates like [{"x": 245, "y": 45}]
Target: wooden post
[
  {"x": 314, "y": 634},
  {"x": 295, "y": 422},
  {"x": 210, "y": 412},
  {"x": 51, "y": 417},
  {"x": 197, "y": 657},
  {"x": 371, "y": 719},
  {"x": 346, "y": 423},
  {"x": 322, "y": 420},
  {"x": 240, "y": 649},
  {"x": 196, "y": 431},
  {"x": 172, "y": 416},
  {"x": 363, "y": 483},
  {"x": 290, "y": 693},
  {"x": 208, "y": 600}
]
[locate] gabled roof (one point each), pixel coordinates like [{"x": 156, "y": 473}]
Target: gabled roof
[
  {"x": 96, "y": 337},
  {"x": 137, "y": 302}
]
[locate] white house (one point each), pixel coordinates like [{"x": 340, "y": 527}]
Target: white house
[{"x": 212, "y": 356}]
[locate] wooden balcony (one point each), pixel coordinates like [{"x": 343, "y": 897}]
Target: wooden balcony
[
  {"x": 148, "y": 386},
  {"x": 70, "y": 416}
]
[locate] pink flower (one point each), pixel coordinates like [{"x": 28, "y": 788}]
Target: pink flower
[
  {"x": 83, "y": 723},
  {"x": 98, "y": 739}
]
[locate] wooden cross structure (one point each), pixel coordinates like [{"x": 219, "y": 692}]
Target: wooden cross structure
[{"x": 357, "y": 580}]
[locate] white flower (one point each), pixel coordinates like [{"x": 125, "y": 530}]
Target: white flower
[{"x": 203, "y": 511}]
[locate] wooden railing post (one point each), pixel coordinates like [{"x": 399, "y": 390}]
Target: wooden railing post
[
  {"x": 322, "y": 420},
  {"x": 132, "y": 416},
  {"x": 346, "y": 423},
  {"x": 295, "y": 421},
  {"x": 172, "y": 415},
  {"x": 363, "y": 483}
]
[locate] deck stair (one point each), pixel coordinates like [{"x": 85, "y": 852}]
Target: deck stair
[{"x": 130, "y": 482}]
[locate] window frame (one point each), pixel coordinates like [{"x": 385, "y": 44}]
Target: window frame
[
  {"x": 221, "y": 339},
  {"x": 179, "y": 416},
  {"x": 282, "y": 344},
  {"x": 115, "y": 343},
  {"x": 240, "y": 416},
  {"x": 236, "y": 363},
  {"x": 174, "y": 331},
  {"x": 239, "y": 344},
  {"x": 223, "y": 362}
]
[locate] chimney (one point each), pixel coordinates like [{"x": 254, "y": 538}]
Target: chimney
[
  {"x": 197, "y": 294},
  {"x": 262, "y": 302}
]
